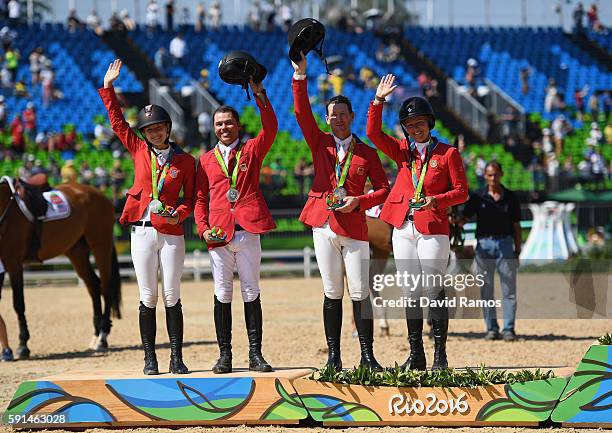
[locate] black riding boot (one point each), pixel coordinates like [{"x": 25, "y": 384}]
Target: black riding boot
[
  {"x": 146, "y": 319},
  {"x": 254, "y": 325},
  {"x": 174, "y": 324},
  {"x": 35, "y": 242},
  {"x": 332, "y": 321},
  {"x": 440, "y": 331},
  {"x": 364, "y": 321},
  {"x": 223, "y": 327},
  {"x": 416, "y": 360},
  {"x": 439, "y": 326}
]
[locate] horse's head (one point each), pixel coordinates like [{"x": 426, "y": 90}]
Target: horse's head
[{"x": 7, "y": 197}]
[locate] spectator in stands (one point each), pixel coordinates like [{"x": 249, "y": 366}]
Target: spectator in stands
[
  {"x": 102, "y": 135},
  {"x": 100, "y": 180},
  {"x": 560, "y": 128},
  {"x": 552, "y": 171},
  {"x": 21, "y": 90},
  {"x": 479, "y": 170},
  {"x": 593, "y": 17},
  {"x": 29, "y": 119},
  {"x": 608, "y": 133},
  {"x": 204, "y": 82},
  {"x": 547, "y": 141},
  {"x": 68, "y": 173},
  {"x": 5, "y": 78},
  {"x": 200, "y": 21},
  {"x": 386, "y": 53},
  {"x": 117, "y": 26},
  {"x": 205, "y": 128},
  {"x": 550, "y": 100},
  {"x": 170, "y": 15},
  {"x": 25, "y": 170},
  {"x": 367, "y": 77},
  {"x": 7, "y": 36},
  {"x": 594, "y": 105},
  {"x": 185, "y": 19},
  {"x": 178, "y": 48},
  {"x": 254, "y": 16},
  {"x": 579, "y": 95},
  {"x": 47, "y": 78},
  {"x": 87, "y": 174},
  {"x": 286, "y": 16},
  {"x": 94, "y": 22},
  {"x": 18, "y": 141},
  {"x": 35, "y": 58},
  {"x": 509, "y": 123},
  {"x": 524, "y": 75},
  {"x": 607, "y": 103},
  {"x": 215, "y": 15},
  {"x": 499, "y": 242},
  {"x": 161, "y": 60},
  {"x": 595, "y": 134},
  {"x": 337, "y": 81},
  {"x": 578, "y": 16},
  {"x": 568, "y": 173},
  {"x": 117, "y": 177},
  {"x": 303, "y": 172},
  {"x": 151, "y": 16},
  {"x": 3, "y": 114},
  {"x": 584, "y": 170},
  {"x": 598, "y": 166},
  {"x": 14, "y": 13},
  {"x": 73, "y": 23},
  {"x": 11, "y": 56},
  {"x": 472, "y": 76},
  {"x": 128, "y": 22}
]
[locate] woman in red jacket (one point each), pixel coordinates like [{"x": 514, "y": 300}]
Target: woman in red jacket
[
  {"x": 161, "y": 170},
  {"x": 430, "y": 179}
]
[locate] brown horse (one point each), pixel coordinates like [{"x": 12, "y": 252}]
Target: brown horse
[{"x": 89, "y": 228}]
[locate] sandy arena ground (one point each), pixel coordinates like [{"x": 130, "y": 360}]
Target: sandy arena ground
[{"x": 60, "y": 325}]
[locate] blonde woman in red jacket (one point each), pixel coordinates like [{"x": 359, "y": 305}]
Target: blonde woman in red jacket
[
  {"x": 430, "y": 179},
  {"x": 161, "y": 171}
]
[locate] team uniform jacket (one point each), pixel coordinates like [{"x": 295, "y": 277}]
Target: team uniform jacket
[
  {"x": 365, "y": 163},
  {"x": 181, "y": 174},
  {"x": 212, "y": 208},
  {"x": 445, "y": 179}
]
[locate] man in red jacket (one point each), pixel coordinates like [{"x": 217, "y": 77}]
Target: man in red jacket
[
  {"x": 231, "y": 213},
  {"x": 336, "y": 212},
  {"x": 430, "y": 179}
]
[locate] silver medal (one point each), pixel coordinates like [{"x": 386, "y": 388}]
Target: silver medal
[
  {"x": 232, "y": 195},
  {"x": 156, "y": 206},
  {"x": 340, "y": 193}
]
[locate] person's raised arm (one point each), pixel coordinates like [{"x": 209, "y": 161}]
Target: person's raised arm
[
  {"x": 303, "y": 110},
  {"x": 269, "y": 124},
  {"x": 129, "y": 139},
  {"x": 390, "y": 146}
]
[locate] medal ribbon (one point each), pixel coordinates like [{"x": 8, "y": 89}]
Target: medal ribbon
[
  {"x": 234, "y": 177},
  {"x": 341, "y": 177},
  {"x": 418, "y": 183},
  {"x": 157, "y": 185}
]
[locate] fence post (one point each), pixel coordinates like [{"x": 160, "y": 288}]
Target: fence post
[
  {"x": 307, "y": 269},
  {"x": 196, "y": 267}
]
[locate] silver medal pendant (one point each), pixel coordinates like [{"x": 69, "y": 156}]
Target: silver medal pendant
[
  {"x": 156, "y": 206},
  {"x": 232, "y": 195},
  {"x": 340, "y": 193}
]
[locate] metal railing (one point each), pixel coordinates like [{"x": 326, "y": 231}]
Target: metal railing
[
  {"x": 468, "y": 108},
  {"x": 197, "y": 265},
  {"x": 160, "y": 95},
  {"x": 501, "y": 104},
  {"x": 202, "y": 100}
]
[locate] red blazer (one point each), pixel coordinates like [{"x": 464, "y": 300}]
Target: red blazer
[
  {"x": 181, "y": 174},
  {"x": 365, "y": 163},
  {"x": 445, "y": 179},
  {"x": 212, "y": 207}
]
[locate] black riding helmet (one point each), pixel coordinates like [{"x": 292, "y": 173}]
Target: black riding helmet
[
  {"x": 150, "y": 115},
  {"x": 304, "y": 36},
  {"x": 416, "y": 106},
  {"x": 238, "y": 67}
]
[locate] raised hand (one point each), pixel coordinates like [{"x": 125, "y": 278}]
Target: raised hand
[
  {"x": 385, "y": 87},
  {"x": 300, "y": 66},
  {"x": 256, "y": 88},
  {"x": 114, "y": 69}
]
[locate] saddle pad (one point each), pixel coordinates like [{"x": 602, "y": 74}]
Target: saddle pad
[{"x": 58, "y": 206}]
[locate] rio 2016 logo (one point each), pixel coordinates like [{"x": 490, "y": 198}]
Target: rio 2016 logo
[{"x": 400, "y": 404}]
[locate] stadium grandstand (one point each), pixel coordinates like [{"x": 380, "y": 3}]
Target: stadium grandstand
[{"x": 537, "y": 99}]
